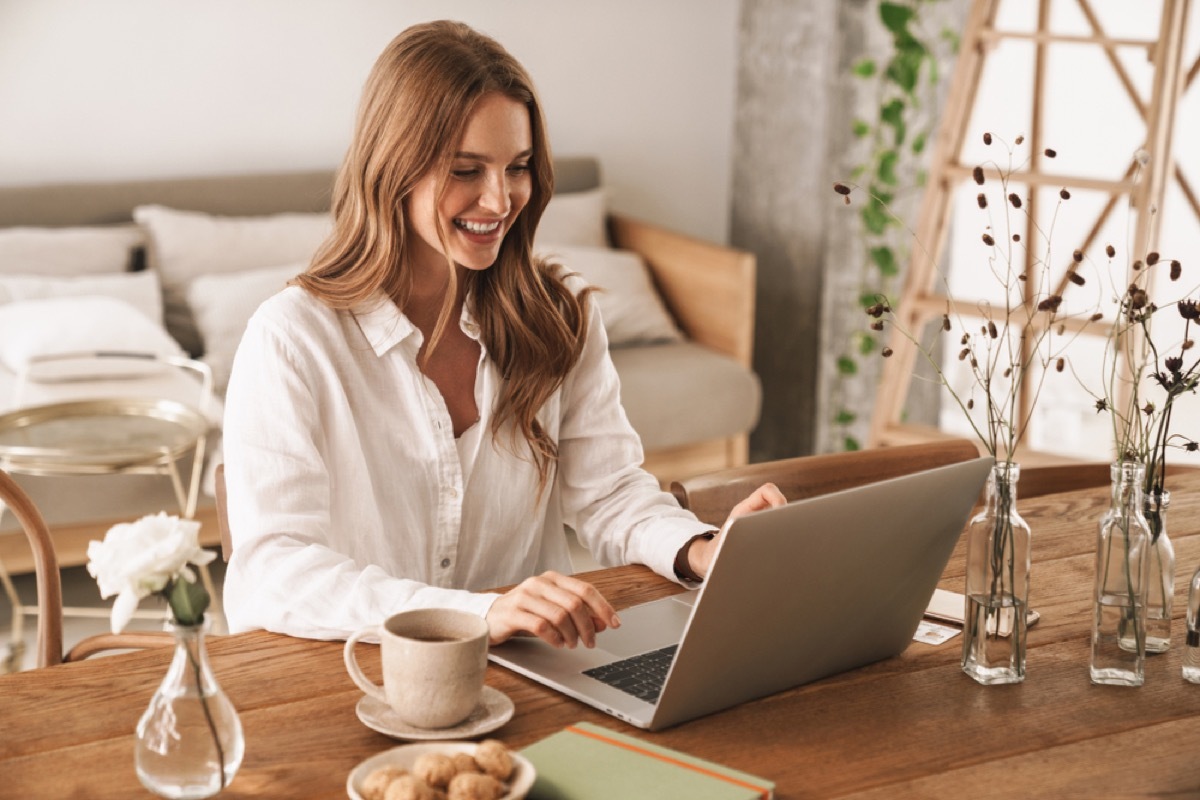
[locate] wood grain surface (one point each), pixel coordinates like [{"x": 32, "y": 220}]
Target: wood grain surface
[{"x": 911, "y": 726}]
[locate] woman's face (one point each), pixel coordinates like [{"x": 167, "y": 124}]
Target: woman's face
[{"x": 488, "y": 186}]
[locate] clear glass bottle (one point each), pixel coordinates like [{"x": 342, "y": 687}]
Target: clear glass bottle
[
  {"x": 997, "y": 595},
  {"x": 1122, "y": 574},
  {"x": 189, "y": 741},
  {"x": 1191, "y": 642},
  {"x": 1160, "y": 590}
]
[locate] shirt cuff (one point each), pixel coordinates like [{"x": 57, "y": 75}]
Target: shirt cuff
[{"x": 658, "y": 548}]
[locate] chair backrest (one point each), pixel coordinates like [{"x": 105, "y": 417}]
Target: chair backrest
[
  {"x": 223, "y": 513},
  {"x": 1055, "y": 478},
  {"x": 49, "y": 590},
  {"x": 45, "y": 568},
  {"x": 711, "y": 497}
]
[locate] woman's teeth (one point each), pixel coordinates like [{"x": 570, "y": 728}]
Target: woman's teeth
[{"x": 477, "y": 227}]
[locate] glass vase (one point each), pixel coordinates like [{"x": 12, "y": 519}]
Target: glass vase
[
  {"x": 189, "y": 741},
  {"x": 1191, "y": 642},
  {"x": 997, "y": 596},
  {"x": 1160, "y": 589},
  {"x": 1122, "y": 575}
]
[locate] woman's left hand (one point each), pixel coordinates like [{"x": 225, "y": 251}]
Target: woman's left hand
[{"x": 701, "y": 551}]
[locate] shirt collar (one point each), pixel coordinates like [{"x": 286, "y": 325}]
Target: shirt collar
[{"x": 385, "y": 325}]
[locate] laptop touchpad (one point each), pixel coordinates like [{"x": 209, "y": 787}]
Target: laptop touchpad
[{"x": 648, "y": 626}]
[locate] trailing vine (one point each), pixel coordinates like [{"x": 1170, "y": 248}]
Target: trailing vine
[{"x": 906, "y": 83}]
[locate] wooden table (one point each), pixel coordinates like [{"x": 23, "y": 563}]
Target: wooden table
[{"x": 912, "y": 726}]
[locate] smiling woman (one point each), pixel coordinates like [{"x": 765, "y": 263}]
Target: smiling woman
[{"x": 420, "y": 416}]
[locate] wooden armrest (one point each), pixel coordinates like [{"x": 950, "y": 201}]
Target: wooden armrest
[
  {"x": 711, "y": 497},
  {"x": 707, "y": 287},
  {"x": 120, "y": 641}
]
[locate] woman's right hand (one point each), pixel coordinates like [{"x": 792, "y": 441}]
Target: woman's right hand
[{"x": 556, "y": 608}]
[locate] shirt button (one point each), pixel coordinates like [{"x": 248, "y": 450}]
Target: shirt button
[
  {"x": 445, "y": 563},
  {"x": 452, "y": 491}
]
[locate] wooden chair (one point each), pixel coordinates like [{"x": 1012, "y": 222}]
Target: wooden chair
[
  {"x": 49, "y": 581},
  {"x": 711, "y": 497},
  {"x": 49, "y": 590}
]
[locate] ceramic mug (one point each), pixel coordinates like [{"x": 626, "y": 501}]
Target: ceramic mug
[{"x": 434, "y": 660}]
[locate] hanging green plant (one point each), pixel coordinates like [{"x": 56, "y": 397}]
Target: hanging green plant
[{"x": 905, "y": 85}]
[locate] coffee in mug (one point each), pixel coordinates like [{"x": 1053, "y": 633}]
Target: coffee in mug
[{"x": 434, "y": 660}]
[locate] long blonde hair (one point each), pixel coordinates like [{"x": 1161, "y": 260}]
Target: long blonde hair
[{"x": 414, "y": 110}]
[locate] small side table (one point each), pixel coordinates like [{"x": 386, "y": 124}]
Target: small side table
[{"x": 122, "y": 436}]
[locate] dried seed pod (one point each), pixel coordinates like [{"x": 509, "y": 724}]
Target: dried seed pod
[
  {"x": 1016, "y": 237},
  {"x": 1064, "y": 194},
  {"x": 1076, "y": 278},
  {"x": 877, "y": 325},
  {"x": 1015, "y": 199},
  {"x": 945, "y": 322},
  {"x": 841, "y": 188},
  {"x": 886, "y": 352},
  {"x": 1050, "y": 152},
  {"x": 1078, "y": 256},
  {"x": 977, "y": 174},
  {"x": 1176, "y": 270},
  {"x": 1110, "y": 251},
  {"x": 1020, "y": 139},
  {"x": 1151, "y": 259},
  {"x": 1051, "y": 303},
  {"x": 987, "y": 138},
  {"x": 1096, "y": 317},
  {"x": 991, "y": 330},
  {"x": 1060, "y": 365},
  {"x": 981, "y": 199},
  {"x": 988, "y": 240}
]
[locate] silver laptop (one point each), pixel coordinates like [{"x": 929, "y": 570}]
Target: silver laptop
[{"x": 795, "y": 593}]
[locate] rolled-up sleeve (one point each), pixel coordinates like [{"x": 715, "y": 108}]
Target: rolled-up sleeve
[{"x": 616, "y": 508}]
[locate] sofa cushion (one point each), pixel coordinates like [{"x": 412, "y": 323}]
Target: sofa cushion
[
  {"x": 84, "y": 250},
  {"x": 630, "y": 306},
  {"x": 140, "y": 289},
  {"x": 184, "y": 245},
  {"x": 682, "y": 393},
  {"x": 573, "y": 218}
]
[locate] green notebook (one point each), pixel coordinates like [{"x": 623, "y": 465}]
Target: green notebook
[{"x": 587, "y": 762}]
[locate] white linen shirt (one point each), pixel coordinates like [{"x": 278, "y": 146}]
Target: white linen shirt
[{"x": 350, "y": 499}]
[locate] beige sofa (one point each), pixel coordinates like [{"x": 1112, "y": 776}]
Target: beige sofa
[{"x": 693, "y": 400}]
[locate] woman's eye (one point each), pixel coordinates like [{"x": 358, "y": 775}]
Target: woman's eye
[
  {"x": 464, "y": 174},
  {"x": 518, "y": 169}
]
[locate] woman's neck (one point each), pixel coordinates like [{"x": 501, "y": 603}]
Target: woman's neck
[{"x": 428, "y": 293}]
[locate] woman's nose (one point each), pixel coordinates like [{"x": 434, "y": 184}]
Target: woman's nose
[{"x": 495, "y": 197}]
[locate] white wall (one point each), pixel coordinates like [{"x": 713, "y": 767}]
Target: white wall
[{"x": 156, "y": 88}]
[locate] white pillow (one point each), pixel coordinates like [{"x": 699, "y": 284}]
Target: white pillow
[
  {"x": 632, "y": 311},
  {"x": 140, "y": 289},
  {"x": 223, "y": 304},
  {"x": 60, "y": 325},
  {"x": 183, "y": 245},
  {"x": 89, "y": 250},
  {"x": 573, "y": 218}
]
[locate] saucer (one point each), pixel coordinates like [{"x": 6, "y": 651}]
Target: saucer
[{"x": 494, "y": 710}]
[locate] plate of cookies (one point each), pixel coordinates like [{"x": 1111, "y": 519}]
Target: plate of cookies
[{"x": 485, "y": 770}]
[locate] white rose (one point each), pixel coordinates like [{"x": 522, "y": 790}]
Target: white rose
[{"x": 139, "y": 558}]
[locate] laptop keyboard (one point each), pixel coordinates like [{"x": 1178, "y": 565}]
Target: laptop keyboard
[{"x": 641, "y": 676}]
